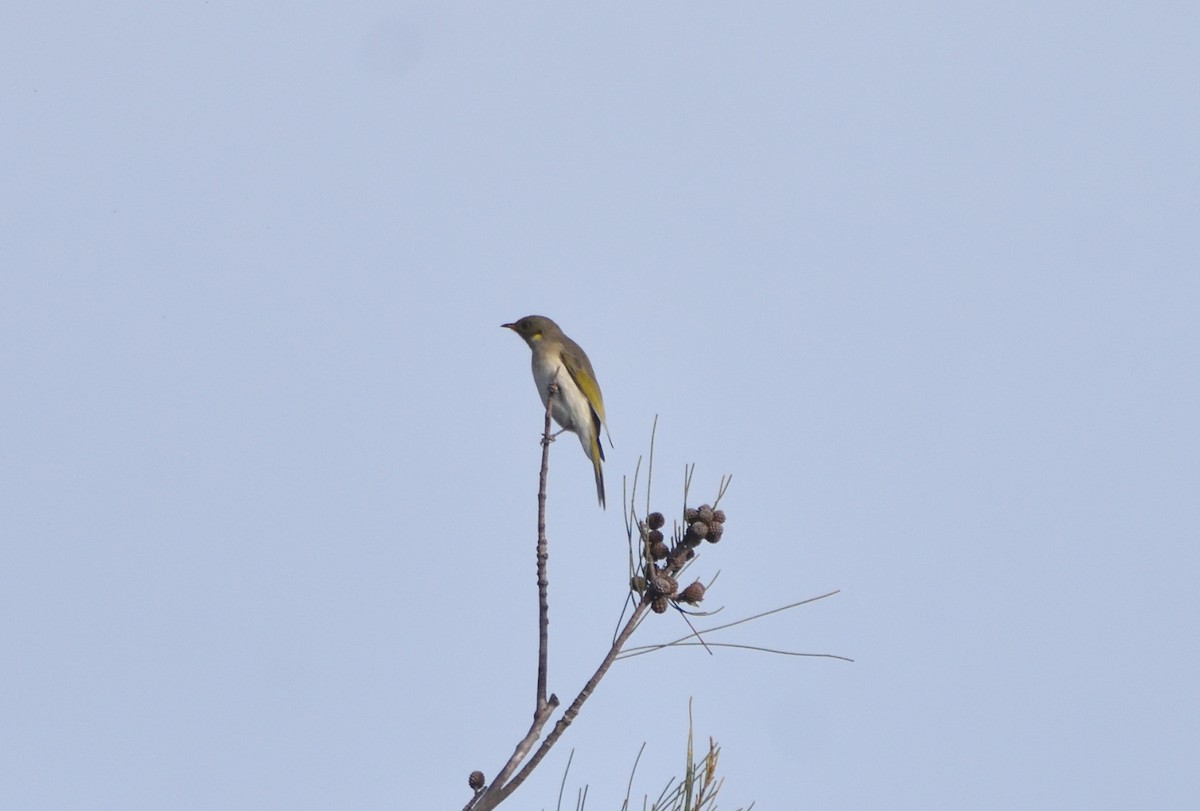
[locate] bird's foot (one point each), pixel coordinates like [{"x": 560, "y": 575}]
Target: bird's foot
[{"x": 546, "y": 440}]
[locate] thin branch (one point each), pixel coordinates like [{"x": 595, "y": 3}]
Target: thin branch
[
  {"x": 684, "y": 640},
  {"x": 632, "y": 772},
  {"x": 629, "y": 496},
  {"x": 491, "y": 796},
  {"x": 650, "y": 466},
  {"x": 563, "y": 784},
  {"x": 544, "y": 707},
  {"x": 543, "y": 554},
  {"x": 498, "y": 796},
  {"x": 689, "y": 768},
  {"x": 688, "y": 471},
  {"x": 772, "y": 611},
  {"x": 695, "y": 633},
  {"x": 644, "y": 649},
  {"x": 721, "y": 488},
  {"x": 630, "y": 600}
]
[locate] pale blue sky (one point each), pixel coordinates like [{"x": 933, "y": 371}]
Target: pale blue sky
[{"x": 925, "y": 278}]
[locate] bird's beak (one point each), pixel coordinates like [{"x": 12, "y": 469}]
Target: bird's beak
[{"x": 509, "y": 326}]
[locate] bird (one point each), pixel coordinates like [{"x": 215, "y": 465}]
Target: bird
[{"x": 578, "y": 405}]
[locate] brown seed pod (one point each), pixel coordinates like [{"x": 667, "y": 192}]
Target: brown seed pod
[
  {"x": 664, "y": 585},
  {"x": 655, "y": 520},
  {"x": 659, "y": 605},
  {"x": 475, "y": 781},
  {"x": 693, "y": 593}
]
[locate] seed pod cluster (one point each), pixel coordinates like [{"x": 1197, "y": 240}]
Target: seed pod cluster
[
  {"x": 703, "y": 524},
  {"x": 663, "y": 561}
]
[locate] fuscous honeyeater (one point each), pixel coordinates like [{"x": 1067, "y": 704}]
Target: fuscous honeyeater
[{"x": 578, "y": 406}]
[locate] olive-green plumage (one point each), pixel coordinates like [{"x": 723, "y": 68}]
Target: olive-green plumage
[{"x": 578, "y": 406}]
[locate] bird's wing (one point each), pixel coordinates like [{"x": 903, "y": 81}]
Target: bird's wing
[
  {"x": 584, "y": 379},
  {"x": 576, "y": 362}
]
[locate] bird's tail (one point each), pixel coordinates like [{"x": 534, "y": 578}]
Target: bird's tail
[{"x": 597, "y": 454}]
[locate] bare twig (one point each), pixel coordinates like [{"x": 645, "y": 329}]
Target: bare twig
[
  {"x": 543, "y": 555},
  {"x": 683, "y": 641},
  {"x": 650, "y": 467},
  {"x": 689, "y": 770},
  {"x": 773, "y": 611},
  {"x": 563, "y": 784},
  {"x": 494, "y": 793},
  {"x": 628, "y": 494},
  {"x": 497, "y": 794},
  {"x": 721, "y": 488},
  {"x": 544, "y": 707},
  {"x": 632, "y": 772},
  {"x": 688, "y": 471},
  {"x": 695, "y": 633},
  {"x": 644, "y": 649}
]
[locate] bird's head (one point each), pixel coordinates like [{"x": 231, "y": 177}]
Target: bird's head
[{"x": 534, "y": 328}]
